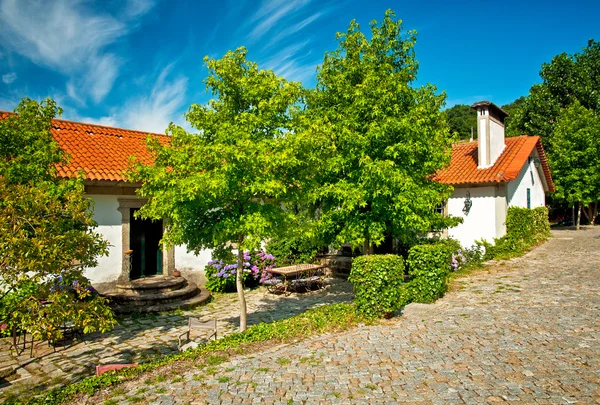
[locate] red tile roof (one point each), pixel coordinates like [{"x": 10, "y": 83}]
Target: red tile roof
[
  {"x": 463, "y": 166},
  {"x": 101, "y": 153}
]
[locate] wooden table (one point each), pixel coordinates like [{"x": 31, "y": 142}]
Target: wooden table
[{"x": 296, "y": 276}]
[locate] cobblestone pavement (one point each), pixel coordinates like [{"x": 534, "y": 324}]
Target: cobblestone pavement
[
  {"x": 525, "y": 331},
  {"x": 142, "y": 338}
]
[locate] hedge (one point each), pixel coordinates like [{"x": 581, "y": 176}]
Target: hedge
[
  {"x": 377, "y": 281},
  {"x": 429, "y": 268},
  {"x": 524, "y": 228}
]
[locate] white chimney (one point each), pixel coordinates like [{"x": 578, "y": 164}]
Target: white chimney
[{"x": 490, "y": 132}]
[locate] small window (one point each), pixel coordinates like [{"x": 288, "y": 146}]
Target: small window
[
  {"x": 532, "y": 179},
  {"x": 528, "y": 198}
]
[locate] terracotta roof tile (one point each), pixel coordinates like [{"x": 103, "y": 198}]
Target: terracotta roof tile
[
  {"x": 463, "y": 166},
  {"x": 101, "y": 153}
]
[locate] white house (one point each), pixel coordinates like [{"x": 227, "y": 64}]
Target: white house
[
  {"x": 492, "y": 174},
  {"x": 488, "y": 176},
  {"x": 102, "y": 154}
]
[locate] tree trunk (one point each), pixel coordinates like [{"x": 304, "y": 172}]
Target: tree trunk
[
  {"x": 594, "y": 213},
  {"x": 239, "y": 285},
  {"x": 367, "y": 246},
  {"x": 578, "y": 216}
]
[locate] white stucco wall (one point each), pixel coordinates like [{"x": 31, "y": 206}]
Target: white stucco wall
[
  {"x": 517, "y": 189},
  {"x": 485, "y": 220},
  {"x": 185, "y": 260},
  {"x": 108, "y": 217},
  {"x": 496, "y": 140}
]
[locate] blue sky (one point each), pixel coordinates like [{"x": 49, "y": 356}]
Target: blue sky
[{"x": 138, "y": 63}]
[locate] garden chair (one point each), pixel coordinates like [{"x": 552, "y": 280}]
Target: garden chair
[{"x": 195, "y": 325}]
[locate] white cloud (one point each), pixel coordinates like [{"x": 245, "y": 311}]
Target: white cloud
[
  {"x": 137, "y": 8},
  {"x": 292, "y": 62},
  {"x": 152, "y": 112},
  {"x": 294, "y": 29},
  {"x": 9, "y": 78},
  {"x": 271, "y": 13},
  {"x": 68, "y": 37}
]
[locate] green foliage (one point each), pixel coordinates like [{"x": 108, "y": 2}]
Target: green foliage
[
  {"x": 524, "y": 227},
  {"x": 511, "y": 109},
  {"x": 231, "y": 181},
  {"x": 462, "y": 119},
  {"x": 429, "y": 268},
  {"x": 324, "y": 319},
  {"x": 566, "y": 79},
  {"x": 575, "y": 159},
  {"x": 46, "y": 233},
  {"x": 294, "y": 249},
  {"x": 377, "y": 281},
  {"x": 386, "y": 138}
]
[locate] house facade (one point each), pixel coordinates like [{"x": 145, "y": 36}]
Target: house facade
[
  {"x": 492, "y": 174},
  {"x": 102, "y": 155}
]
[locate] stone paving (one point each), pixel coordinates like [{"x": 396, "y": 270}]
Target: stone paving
[
  {"x": 524, "y": 331},
  {"x": 141, "y": 338}
]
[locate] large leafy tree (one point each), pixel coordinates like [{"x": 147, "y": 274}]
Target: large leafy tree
[
  {"x": 46, "y": 233},
  {"x": 462, "y": 120},
  {"x": 234, "y": 179},
  {"x": 576, "y": 166},
  {"x": 388, "y": 137},
  {"x": 566, "y": 80}
]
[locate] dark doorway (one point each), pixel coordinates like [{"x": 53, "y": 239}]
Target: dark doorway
[{"x": 144, "y": 238}]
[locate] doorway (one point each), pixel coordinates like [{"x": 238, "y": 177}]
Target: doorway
[{"x": 144, "y": 238}]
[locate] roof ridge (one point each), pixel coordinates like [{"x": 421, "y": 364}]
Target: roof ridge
[{"x": 79, "y": 123}]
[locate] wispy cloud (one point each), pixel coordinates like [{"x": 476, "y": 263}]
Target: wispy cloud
[
  {"x": 137, "y": 8},
  {"x": 296, "y": 28},
  {"x": 272, "y": 12},
  {"x": 70, "y": 38},
  {"x": 153, "y": 111},
  {"x": 293, "y": 62},
  {"x": 9, "y": 77}
]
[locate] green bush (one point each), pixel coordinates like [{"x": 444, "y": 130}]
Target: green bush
[
  {"x": 429, "y": 267},
  {"x": 377, "y": 281},
  {"x": 524, "y": 228}
]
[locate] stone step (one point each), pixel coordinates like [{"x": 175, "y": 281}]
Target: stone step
[
  {"x": 150, "y": 297},
  {"x": 163, "y": 283},
  {"x": 202, "y": 298}
]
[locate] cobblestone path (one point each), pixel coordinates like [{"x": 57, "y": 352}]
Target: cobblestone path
[
  {"x": 142, "y": 338},
  {"x": 526, "y": 331}
]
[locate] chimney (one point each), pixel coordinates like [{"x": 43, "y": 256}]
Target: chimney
[{"x": 490, "y": 132}]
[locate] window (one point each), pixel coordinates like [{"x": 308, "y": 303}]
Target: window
[{"x": 528, "y": 198}]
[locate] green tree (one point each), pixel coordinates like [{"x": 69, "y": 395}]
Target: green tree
[
  {"x": 387, "y": 137},
  {"x": 510, "y": 109},
  {"x": 46, "y": 233},
  {"x": 462, "y": 120},
  {"x": 575, "y": 159},
  {"x": 231, "y": 181},
  {"x": 566, "y": 79}
]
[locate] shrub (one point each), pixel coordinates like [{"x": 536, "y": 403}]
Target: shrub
[
  {"x": 429, "y": 267},
  {"x": 524, "y": 228},
  {"x": 220, "y": 275},
  {"x": 377, "y": 283}
]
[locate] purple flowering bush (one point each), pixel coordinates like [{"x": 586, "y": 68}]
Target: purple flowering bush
[{"x": 220, "y": 275}]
